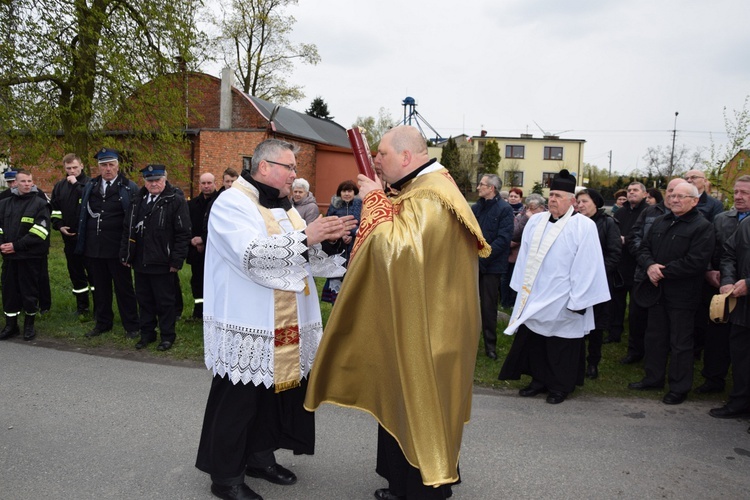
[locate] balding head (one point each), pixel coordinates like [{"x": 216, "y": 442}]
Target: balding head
[
  {"x": 207, "y": 184},
  {"x": 401, "y": 151}
]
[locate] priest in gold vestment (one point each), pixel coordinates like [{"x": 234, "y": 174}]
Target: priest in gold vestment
[{"x": 401, "y": 342}]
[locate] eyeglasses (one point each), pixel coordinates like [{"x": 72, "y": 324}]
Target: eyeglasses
[
  {"x": 289, "y": 166},
  {"x": 679, "y": 196},
  {"x": 483, "y": 184},
  {"x": 693, "y": 177}
]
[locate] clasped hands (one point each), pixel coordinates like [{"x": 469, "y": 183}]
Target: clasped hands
[{"x": 329, "y": 228}]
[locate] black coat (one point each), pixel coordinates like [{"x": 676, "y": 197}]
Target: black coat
[
  {"x": 609, "y": 238},
  {"x": 25, "y": 222},
  {"x": 197, "y": 207},
  {"x": 640, "y": 229},
  {"x": 495, "y": 217},
  {"x": 627, "y": 216},
  {"x": 684, "y": 245},
  {"x": 155, "y": 240},
  {"x": 735, "y": 265}
]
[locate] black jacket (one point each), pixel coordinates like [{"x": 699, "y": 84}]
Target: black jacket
[
  {"x": 66, "y": 203},
  {"x": 155, "y": 240},
  {"x": 609, "y": 238},
  {"x": 627, "y": 216},
  {"x": 684, "y": 245},
  {"x": 709, "y": 206},
  {"x": 495, "y": 217},
  {"x": 640, "y": 229},
  {"x": 197, "y": 207},
  {"x": 25, "y": 222},
  {"x": 725, "y": 224},
  {"x": 735, "y": 265}
]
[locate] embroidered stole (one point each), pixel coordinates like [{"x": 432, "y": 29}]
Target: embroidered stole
[{"x": 537, "y": 251}]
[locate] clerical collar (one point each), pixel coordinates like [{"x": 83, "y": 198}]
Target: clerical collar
[
  {"x": 552, "y": 220},
  {"x": 268, "y": 196},
  {"x": 399, "y": 183}
]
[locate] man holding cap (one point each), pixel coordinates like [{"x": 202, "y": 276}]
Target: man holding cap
[
  {"x": 105, "y": 200},
  {"x": 559, "y": 277},
  {"x": 155, "y": 243}
]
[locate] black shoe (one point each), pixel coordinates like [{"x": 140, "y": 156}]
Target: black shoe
[
  {"x": 10, "y": 330},
  {"x": 234, "y": 492},
  {"x": 674, "y": 398},
  {"x": 164, "y": 346},
  {"x": 94, "y": 332},
  {"x": 531, "y": 391},
  {"x": 709, "y": 388},
  {"x": 28, "y": 328},
  {"x": 643, "y": 386},
  {"x": 726, "y": 412},
  {"x": 273, "y": 473},
  {"x": 555, "y": 397},
  {"x": 134, "y": 334},
  {"x": 630, "y": 359},
  {"x": 142, "y": 343},
  {"x": 492, "y": 355},
  {"x": 592, "y": 372},
  {"x": 611, "y": 340},
  {"x": 386, "y": 494}
]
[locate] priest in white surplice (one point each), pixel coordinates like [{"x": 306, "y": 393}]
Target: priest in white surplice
[
  {"x": 559, "y": 277},
  {"x": 261, "y": 323}
]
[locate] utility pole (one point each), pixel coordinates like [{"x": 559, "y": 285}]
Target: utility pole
[
  {"x": 610, "y": 168},
  {"x": 674, "y": 134}
]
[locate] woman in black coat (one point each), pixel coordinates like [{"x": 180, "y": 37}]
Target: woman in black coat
[{"x": 589, "y": 203}]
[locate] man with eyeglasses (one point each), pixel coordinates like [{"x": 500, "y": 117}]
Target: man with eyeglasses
[
  {"x": 675, "y": 254},
  {"x": 104, "y": 202},
  {"x": 495, "y": 217},
  {"x": 262, "y": 323},
  {"x": 709, "y": 206}
]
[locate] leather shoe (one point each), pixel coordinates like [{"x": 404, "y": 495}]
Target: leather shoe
[
  {"x": 273, "y": 473},
  {"x": 386, "y": 494},
  {"x": 234, "y": 492},
  {"x": 555, "y": 397},
  {"x": 643, "y": 386},
  {"x": 531, "y": 391},
  {"x": 630, "y": 359},
  {"x": 708, "y": 388},
  {"x": 674, "y": 398},
  {"x": 164, "y": 346},
  {"x": 142, "y": 343},
  {"x": 94, "y": 332},
  {"x": 9, "y": 331},
  {"x": 726, "y": 412},
  {"x": 492, "y": 355},
  {"x": 592, "y": 372}
]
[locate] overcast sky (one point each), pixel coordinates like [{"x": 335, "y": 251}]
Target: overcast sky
[{"x": 611, "y": 72}]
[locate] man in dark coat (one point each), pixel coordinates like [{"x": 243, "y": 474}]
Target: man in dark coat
[
  {"x": 155, "y": 243},
  {"x": 495, "y": 217},
  {"x": 66, "y": 210},
  {"x": 103, "y": 205},
  {"x": 196, "y": 251},
  {"x": 675, "y": 254},
  {"x": 24, "y": 241}
]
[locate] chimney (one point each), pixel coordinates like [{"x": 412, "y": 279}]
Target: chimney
[{"x": 225, "y": 111}]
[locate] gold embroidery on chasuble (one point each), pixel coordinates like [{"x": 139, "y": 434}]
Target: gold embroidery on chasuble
[
  {"x": 376, "y": 209},
  {"x": 286, "y": 353}
]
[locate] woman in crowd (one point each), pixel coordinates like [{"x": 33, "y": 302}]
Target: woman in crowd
[
  {"x": 621, "y": 198},
  {"x": 304, "y": 201},
  {"x": 534, "y": 204},
  {"x": 344, "y": 203},
  {"x": 590, "y": 203},
  {"x": 654, "y": 196},
  {"x": 515, "y": 199}
]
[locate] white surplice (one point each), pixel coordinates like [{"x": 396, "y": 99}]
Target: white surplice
[{"x": 571, "y": 278}]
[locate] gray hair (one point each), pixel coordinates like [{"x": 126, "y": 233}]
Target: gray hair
[
  {"x": 743, "y": 178},
  {"x": 640, "y": 184},
  {"x": 270, "y": 148},
  {"x": 494, "y": 181},
  {"x": 693, "y": 190},
  {"x": 535, "y": 200},
  {"x": 299, "y": 182},
  {"x": 504, "y": 195}
]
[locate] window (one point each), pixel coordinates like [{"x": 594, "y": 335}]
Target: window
[
  {"x": 513, "y": 178},
  {"x": 547, "y": 178},
  {"x": 515, "y": 152},
  {"x": 553, "y": 153},
  {"x": 247, "y": 162}
]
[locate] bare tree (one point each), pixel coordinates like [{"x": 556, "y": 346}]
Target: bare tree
[
  {"x": 255, "y": 34},
  {"x": 660, "y": 163},
  {"x": 375, "y": 128}
]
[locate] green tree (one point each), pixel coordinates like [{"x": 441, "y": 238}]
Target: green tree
[
  {"x": 455, "y": 162},
  {"x": 255, "y": 36},
  {"x": 738, "y": 138},
  {"x": 537, "y": 188},
  {"x": 375, "y": 128},
  {"x": 71, "y": 65},
  {"x": 490, "y": 158},
  {"x": 319, "y": 109}
]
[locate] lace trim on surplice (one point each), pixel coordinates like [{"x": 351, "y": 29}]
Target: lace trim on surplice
[{"x": 277, "y": 261}]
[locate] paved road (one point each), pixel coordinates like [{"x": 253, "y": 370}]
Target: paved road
[{"x": 77, "y": 426}]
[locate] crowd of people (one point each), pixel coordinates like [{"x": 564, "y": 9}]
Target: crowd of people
[{"x": 416, "y": 276}]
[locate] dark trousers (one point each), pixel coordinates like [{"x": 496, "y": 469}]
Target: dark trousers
[
  {"x": 20, "y": 284},
  {"x": 156, "y": 300},
  {"x": 178, "y": 303},
  {"x": 739, "y": 347},
  {"x": 403, "y": 479},
  {"x": 554, "y": 362},
  {"x": 594, "y": 340},
  {"x": 45, "y": 293},
  {"x": 637, "y": 324},
  {"x": 716, "y": 353},
  {"x": 489, "y": 289},
  {"x": 669, "y": 338},
  {"x": 196, "y": 286},
  {"x": 507, "y": 294},
  {"x": 702, "y": 319},
  {"x": 78, "y": 272},
  {"x": 106, "y": 273},
  {"x": 619, "y": 304}
]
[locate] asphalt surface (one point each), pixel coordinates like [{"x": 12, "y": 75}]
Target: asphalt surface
[{"x": 80, "y": 426}]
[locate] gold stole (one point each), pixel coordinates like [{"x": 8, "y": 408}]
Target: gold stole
[{"x": 286, "y": 352}]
